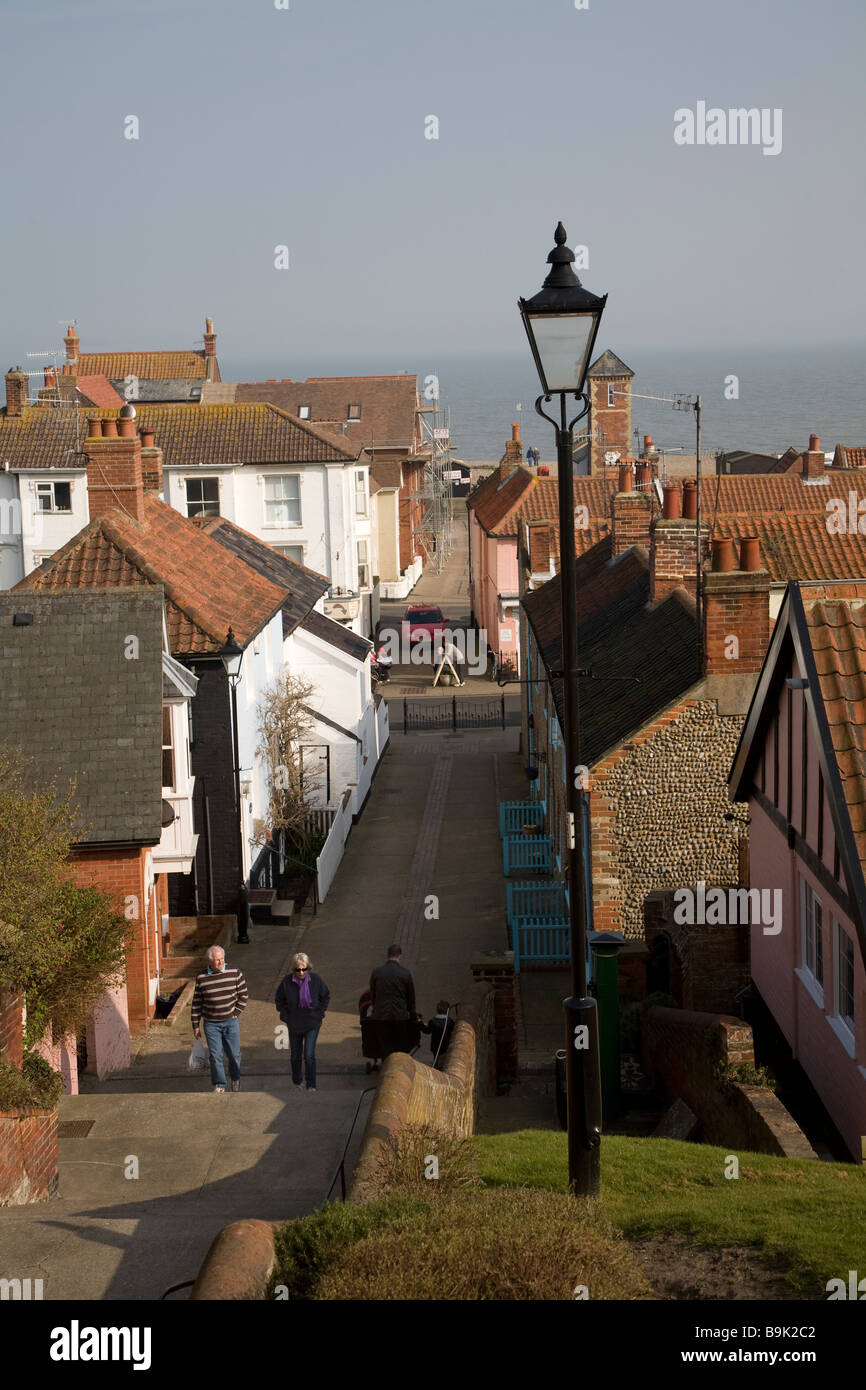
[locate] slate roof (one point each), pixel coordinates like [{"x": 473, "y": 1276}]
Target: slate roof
[
  {"x": 388, "y": 405},
  {"x": 608, "y": 364},
  {"x": 739, "y": 461},
  {"x": 337, "y": 635},
  {"x": 117, "y": 365},
  {"x": 619, "y": 634},
  {"x": 207, "y": 588},
  {"x": 82, "y": 711},
  {"x": 214, "y": 436},
  {"x": 305, "y": 587},
  {"x": 162, "y": 389}
]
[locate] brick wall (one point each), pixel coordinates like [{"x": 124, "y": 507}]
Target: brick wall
[
  {"x": 613, "y": 422},
  {"x": 498, "y": 972},
  {"x": 713, "y": 961},
  {"x": 737, "y": 605},
  {"x": 681, "y": 1051},
  {"x": 121, "y": 873},
  {"x": 114, "y": 477},
  {"x": 674, "y": 557},
  {"x": 28, "y": 1157},
  {"x": 632, "y": 514}
]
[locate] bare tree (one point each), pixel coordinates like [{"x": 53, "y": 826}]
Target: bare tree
[{"x": 284, "y": 723}]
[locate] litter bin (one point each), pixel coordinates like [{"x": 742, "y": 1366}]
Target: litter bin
[{"x": 561, "y": 1090}]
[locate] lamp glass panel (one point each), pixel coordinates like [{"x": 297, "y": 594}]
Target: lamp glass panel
[{"x": 562, "y": 343}]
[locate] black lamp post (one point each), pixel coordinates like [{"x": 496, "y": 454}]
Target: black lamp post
[
  {"x": 232, "y": 657},
  {"x": 561, "y": 322}
]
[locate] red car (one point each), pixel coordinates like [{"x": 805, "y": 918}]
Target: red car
[{"x": 424, "y": 620}]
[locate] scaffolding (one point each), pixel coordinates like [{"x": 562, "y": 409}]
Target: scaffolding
[{"x": 435, "y": 530}]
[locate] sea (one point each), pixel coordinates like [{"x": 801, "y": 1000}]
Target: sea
[{"x": 758, "y": 399}]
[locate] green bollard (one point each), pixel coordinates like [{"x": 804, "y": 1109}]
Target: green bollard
[{"x": 605, "y": 947}]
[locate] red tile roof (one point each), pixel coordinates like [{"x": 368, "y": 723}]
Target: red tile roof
[
  {"x": 207, "y": 588},
  {"x": 501, "y": 506},
  {"x": 849, "y": 456},
  {"x": 100, "y": 392},
  {"x": 187, "y": 434},
  {"x": 838, "y": 636},
  {"x": 800, "y": 547},
  {"x": 161, "y": 364}
]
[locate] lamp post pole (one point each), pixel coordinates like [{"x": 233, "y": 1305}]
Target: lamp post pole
[{"x": 562, "y": 322}]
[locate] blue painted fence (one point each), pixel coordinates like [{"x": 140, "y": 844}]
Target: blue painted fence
[
  {"x": 539, "y": 943},
  {"x": 513, "y": 815},
  {"x": 527, "y": 854}
]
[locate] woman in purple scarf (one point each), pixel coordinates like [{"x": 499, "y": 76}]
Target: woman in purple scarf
[{"x": 302, "y": 999}]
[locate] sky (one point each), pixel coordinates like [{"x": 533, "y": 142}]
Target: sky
[{"x": 304, "y": 127}]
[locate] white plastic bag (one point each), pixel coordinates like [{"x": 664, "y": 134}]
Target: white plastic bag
[{"x": 199, "y": 1057}]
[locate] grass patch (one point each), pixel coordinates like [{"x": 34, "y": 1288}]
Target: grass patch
[
  {"x": 510, "y": 1245},
  {"x": 807, "y": 1214}
]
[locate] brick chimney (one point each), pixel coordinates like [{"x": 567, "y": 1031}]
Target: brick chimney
[
  {"x": 114, "y": 473},
  {"x": 210, "y": 349},
  {"x": 151, "y": 461},
  {"x": 73, "y": 344},
  {"x": 17, "y": 391},
  {"x": 539, "y": 538},
  {"x": 513, "y": 455},
  {"x": 814, "y": 463},
  {"x": 674, "y": 552},
  {"x": 736, "y": 609},
  {"x": 632, "y": 513}
]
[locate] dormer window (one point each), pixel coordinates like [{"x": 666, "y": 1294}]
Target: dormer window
[
  {"x": 303, "y": 412},
  {"x": 353, "y": 412}
]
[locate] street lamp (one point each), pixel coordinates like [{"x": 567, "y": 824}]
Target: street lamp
[
  {"x": 232, "y": 657},
  {"x": 561, "y": 322}
]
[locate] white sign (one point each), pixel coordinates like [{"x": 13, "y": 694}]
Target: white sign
[
  {"x": 441, "y": 434},
  {"x": 455, "y": 475}
]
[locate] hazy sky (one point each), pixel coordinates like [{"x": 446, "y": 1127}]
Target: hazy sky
[{"x": 305, "y": 127}]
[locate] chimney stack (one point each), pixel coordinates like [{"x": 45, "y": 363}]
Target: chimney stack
[
  {"x": 736, "y": 609},
  {"x": 814, "y": 463},
  {"x": 73, "y": 343},
  {"x": 674, "y": 560},
  {"x": 114, "y": 474},
  {"x": 513, "y": 455},
  {"x": 632, "y": 513},
  {"x": 539, "y": 545},
  {"x": 17, "y": 391},
  {"x": 210, "y": 350},
  {"x": 151, "y": 461}
]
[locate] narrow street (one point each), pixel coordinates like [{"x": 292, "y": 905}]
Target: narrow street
[{"x": 423, "y": 866}]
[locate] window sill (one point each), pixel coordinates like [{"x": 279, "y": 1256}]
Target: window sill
[
  {"x": 810, "y": 984},
  {"x": 843, "y": 1033}
]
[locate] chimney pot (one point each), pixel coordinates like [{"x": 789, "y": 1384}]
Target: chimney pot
[
  {"x": 515, "y": 431},
  {"x": 690, "y": 500},
  {"x": 109, "y": 428},
  {"x": 126, "y": 428},
  {"x": 147, "y": 437},
  {"x": 814, "y": 442},
  {"x": 94, "y": 426},
  {"x": 644, "y": 477},
  {"x": 208, "y": 323},
  {"x": 750, "y": 553},
  {"x": 626, "y": 478},
  {"x": 673, "y": 503},
  {"x": 723, "y": 554}
]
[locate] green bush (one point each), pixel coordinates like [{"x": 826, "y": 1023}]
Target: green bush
[{"x": 35, "y": 1087}]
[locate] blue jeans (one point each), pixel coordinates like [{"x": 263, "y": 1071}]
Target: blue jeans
[
  {"x": 223, "y": 1035},
  {"x": 303, "y": 1045}
]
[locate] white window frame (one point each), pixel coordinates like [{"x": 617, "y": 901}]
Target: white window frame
[
  {"x": 48, "y": 489},
  {"x": 361, "y": 493},
  {"x": 363, "y": 564},
  {"x": 811, "y": 933},
  {"x": 270, "y": 480},
  {"x": 611, "y": 399},
  {"x": 207, "y": 478},
  {"x": 353, "y": 405},
  {"x": 304, "y": 412},
  {"x": 284, "y": 549}
]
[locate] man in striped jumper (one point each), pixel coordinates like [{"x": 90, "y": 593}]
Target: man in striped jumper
[{"x": 220, "y": 997}]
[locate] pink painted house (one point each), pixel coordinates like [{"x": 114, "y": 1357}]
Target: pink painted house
[{"x": 801, "y": 765}]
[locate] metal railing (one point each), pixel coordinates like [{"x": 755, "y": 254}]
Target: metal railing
[
  {"x": 341, "y": 1166},
  {"x": 454, "y": 714}
]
